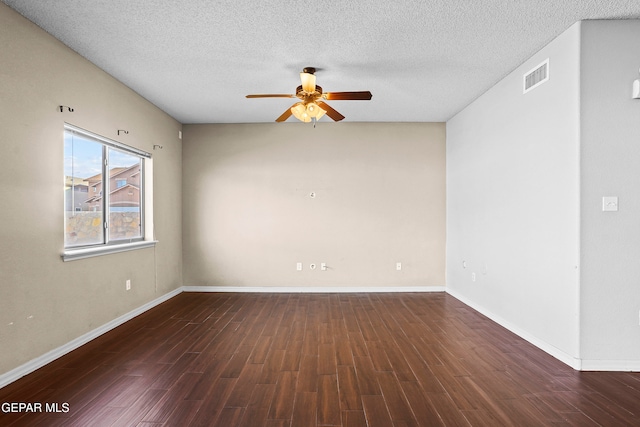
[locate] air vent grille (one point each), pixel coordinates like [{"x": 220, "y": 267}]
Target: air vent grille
[{"x": 536, "y": 77}]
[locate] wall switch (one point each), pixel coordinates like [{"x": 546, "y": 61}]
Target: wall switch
[
  {"x": 398, "y": 266},
  {"x": 299, "y": 266},
  {"x": 128, "y": 284},
  {"x": 609, "y": 204},
  {"x": 323, "y": 266}
]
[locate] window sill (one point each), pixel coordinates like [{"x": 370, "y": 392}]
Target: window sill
[{"x": 74, "y": 254}]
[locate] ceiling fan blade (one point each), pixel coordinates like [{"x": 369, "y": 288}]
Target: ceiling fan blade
[
  {"x": 284, "y": 115},
  {"x": 330, "y": 111},
  {"x": 272, "y": 95},
  {"x": 364, "y": 95}
]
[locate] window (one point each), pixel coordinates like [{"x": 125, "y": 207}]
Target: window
[{"x": 104, "y": 191}]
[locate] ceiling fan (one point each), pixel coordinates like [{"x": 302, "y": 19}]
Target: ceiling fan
[{"x": 311, "y": 105}]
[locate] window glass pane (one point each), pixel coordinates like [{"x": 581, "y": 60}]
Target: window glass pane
[
  {"x": 125, "y": 197},
  {"x": 103, "y": 190},
  {"x": 82, "y": 191}
]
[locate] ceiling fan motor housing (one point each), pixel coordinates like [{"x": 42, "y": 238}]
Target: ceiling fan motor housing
[{"x": 309, "y": 97}]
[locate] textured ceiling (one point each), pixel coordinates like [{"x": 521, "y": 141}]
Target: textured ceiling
[{"x": 423, "y": 60}]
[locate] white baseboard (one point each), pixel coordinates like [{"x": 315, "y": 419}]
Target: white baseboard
[
  {"x": 313, "y": 289},
  {"x": 38, "y": 362},
  {"x": 27, "y": 368},
  {"x": 578, "y": 364},
  {"x": 611, "y": 365},
  {"x": 565, "y": 358}
]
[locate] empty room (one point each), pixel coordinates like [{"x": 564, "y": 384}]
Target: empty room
[{"x": 320, "y": 214}]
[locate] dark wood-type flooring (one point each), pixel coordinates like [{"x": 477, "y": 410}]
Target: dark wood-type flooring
[{"x": 352, "y": 360}]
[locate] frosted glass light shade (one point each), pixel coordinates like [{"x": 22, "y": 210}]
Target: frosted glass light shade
[
  {"x": 308, "y": 82},
  {"x": 299, "y": 111},
  {"x": 314, "y": 110}
]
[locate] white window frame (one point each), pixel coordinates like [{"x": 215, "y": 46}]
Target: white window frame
[{"x": 146, "y": 212}]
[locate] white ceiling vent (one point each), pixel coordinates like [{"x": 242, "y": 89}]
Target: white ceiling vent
[{"x": 536, "y": 77}]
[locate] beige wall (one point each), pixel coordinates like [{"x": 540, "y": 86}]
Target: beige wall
[
  {"x": 45, "y": 302},
  {"x": 249, "y": 217}
]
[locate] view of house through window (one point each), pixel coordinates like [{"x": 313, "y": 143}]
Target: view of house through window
[{"x": 101, "y": 210}]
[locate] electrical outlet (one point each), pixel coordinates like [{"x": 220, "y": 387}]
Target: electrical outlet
[
  {"x": 323, "y": 266},
  {"x": 128, "y": 284},
  {"x": 299, "y": 266},
  {"x": 398, "y": 266},
  {"x": 473, "y": 277}
]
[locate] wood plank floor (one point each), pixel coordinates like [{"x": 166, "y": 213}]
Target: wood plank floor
[{"x": 351, "y": 360}]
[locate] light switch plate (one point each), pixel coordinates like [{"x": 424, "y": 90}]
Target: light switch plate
[{"x": 609, "y": 204}]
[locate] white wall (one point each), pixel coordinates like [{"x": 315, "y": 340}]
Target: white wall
[
  {"x": 44, "y": 302},
  {"x": 380, "y": 199},
  {"x": 610, "y": 163},
  {"x": 513, "y": 202}
]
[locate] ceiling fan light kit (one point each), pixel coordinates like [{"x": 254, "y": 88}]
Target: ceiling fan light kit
[
  {"x": 311, "y": 107},
  {"x": 305, "y": 113}
]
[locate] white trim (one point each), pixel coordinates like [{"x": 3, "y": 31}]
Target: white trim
[
  {"x": 106, "y": 141},
  {"x": 586, "y": 365},
  {"x": 38, "y": 362},
  {"x": 312, "y": 289},
  {"x": 573, "y": 362},
  {"x": 611, "y": 365},
  {"x": 74, "y": 254}
]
